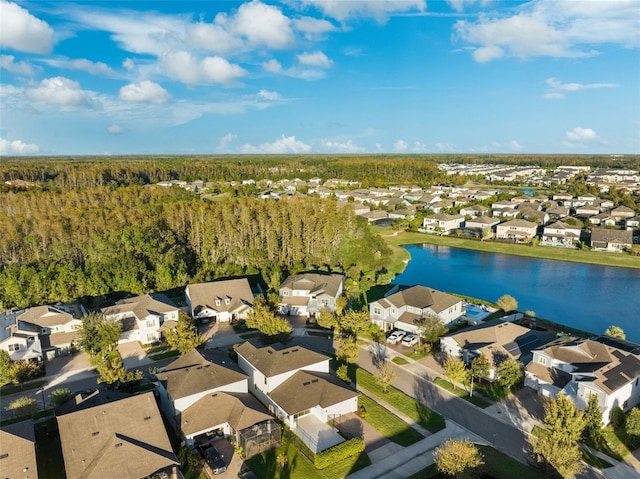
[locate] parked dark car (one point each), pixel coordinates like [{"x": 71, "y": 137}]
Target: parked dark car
[{"x": 215, "y": 460}]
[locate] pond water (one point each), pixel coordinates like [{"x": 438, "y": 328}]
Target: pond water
[{"x": 583, "y": 296}]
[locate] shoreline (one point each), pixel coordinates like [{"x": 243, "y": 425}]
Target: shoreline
[{"x": 600, "y": 258}]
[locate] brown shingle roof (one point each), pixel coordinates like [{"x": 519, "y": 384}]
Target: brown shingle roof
[
  {"x": 272, "y": 362},
  {"x": 143, "y": 306},
  {"x": 18, "y": 450},
  {"x": 238, "y": 291},
  {"x": 423, "y": 297},
  {"x": 305, "y": 390},
  {"x": 192, "y": 373},
  {"x": 240, "y": 410},
  {"x": 123, "y": 438},
  {"x": 315, "y": 282},
  {"x": 45, "y": 316}
]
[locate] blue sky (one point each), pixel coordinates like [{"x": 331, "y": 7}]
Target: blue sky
[{"x": 313, "y": 76}]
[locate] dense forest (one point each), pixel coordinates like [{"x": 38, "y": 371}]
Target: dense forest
[{"x": 58, "y": 245}]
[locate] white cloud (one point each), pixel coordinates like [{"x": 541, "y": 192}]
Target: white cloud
[
  {"x": 341, "y": 146},
  {"x": 263, "y": 24},
  {"x": 419, "y": 147},
  {"x": 115, "y": 129},
  {"x": 557, "y": 89},
  {"x": 95, "y": 68},
  {"x": 269, "y": 95},
  {"x": 144, "y": 91},
  {"x": 272, "y": 66},
  {"x": 313, "y": 28},
  {"x": 400, "y": 145},
  {"x": 226, "y": 140},
  {"x": 555, "y": 28},
  {"x": 445, "y": 146},
  {"x": 183, "y": 66},
  {"x": 19, "y": 30},
  {"x": 515, "y": 145},
  {"x": 63, "y": 92},
  {"x": 584, "y": 135},
  {"x": 21, "y": 68},
  {"x": 315, "y": 59},
  {"x": 214, "y": 38},
  {"x": 460, "y": 5},
  {"x": 378, "y": 9},
  {"x": 286, "y": 144},
  {"x": 128, "y": 64},
  {"x": 17, "y": 147}
]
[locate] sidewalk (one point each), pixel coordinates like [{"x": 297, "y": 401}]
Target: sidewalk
[{"x": 409, "y": 460}]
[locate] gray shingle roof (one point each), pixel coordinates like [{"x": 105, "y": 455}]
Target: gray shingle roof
[
  {"x": 271, "y": 362},
  {"x": 214, "y": 295},
  {"x": 314, "y": 282},
  {"x": 18, "y": 450}
]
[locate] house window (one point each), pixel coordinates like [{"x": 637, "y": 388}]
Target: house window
[
  {"x": 14, "y": 347},
  {"x": 150, "y": 323},
  {"x": 325, "y": 302},
  {"x": 376, "y": 310},
  {"x": 151, "y": 338},
  {"x": 285, "y": 293},
  {"x": 542, "y": 360}
]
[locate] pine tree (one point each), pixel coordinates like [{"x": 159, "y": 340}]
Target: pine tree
[{"x": 593, "y": 418}]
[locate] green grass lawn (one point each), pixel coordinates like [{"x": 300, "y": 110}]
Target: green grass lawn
[
  {"x": 563, "y": 254},
  {"x": 400, "y": 361},
  {"x": 408, "y": 406},
  {"x": 496, "y": 466},
  {"x": 418, "y": 353},
  {"x": 49, "y": 451},
  {"x": 461, "y": 393},
  {"x": 389, "y": 425},
  {"x": 616, "y": 443},
  {"x": 18, "y": 388},
  {"x": 299, "y": 467},
  {"x": 491, "y": 391},
  {"x": 166, "y": 354}
]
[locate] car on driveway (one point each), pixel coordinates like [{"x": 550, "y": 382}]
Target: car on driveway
[
  {"x": 215, "y": 460},
  {"x": 396, "y": 337},
  {"x": 409, "y": 340}
]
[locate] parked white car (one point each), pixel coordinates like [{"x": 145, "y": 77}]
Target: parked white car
[
  {"x": 396, "y": 337},
  {"x": 410, "y": 340}
]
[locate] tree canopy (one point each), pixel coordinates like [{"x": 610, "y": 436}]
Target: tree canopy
[
  {"x": 510, "y": 373},
  {"x": 97, "y": 334},
  {"x": 455, "y": 456},
  {"x": 185, "y": 336},
  {"x": 455, "y": 370},
  {"x": 615, "y": 332},
  {"x": 507, "y": 303}
]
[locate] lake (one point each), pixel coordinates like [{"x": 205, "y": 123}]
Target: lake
[{"x": 584, "y": 296}]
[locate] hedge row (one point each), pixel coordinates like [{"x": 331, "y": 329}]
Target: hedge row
[{"x": 339, "y": 452}]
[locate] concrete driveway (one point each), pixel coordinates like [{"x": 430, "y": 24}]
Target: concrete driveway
[
  {"x": 524, "y": 409},
  {"x": 133, "y": 355}
]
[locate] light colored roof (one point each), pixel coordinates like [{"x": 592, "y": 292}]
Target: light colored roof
[
  {"x": 192, "y": 373},
  {"x": 45, "y": 316},
  {"x": 519, "y": 224},
  {"x": 237, "y": 291},
  {"x": 124, "y": 438},
  {"x": 305, "y": 390},
  {"x": 314, "y": 283},
  {"x": 605, "y": 235},
  {"x": 58, "y": 339},
  {"x": 18, "y": 450},
  {"x": 423, "y": 297},
  {"x": 142, "y": 306},
  {"x": 484, "y": 220},
  {"x": 272, "y": 362},
  {"x": 240, "y": 410}
]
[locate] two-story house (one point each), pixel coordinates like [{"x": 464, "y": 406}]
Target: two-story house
[
  {"x": 604, "y": 239},
  {"x": 142, "y": 316},
  {"x": 403, "y": 307},
  {"x": 607, "y": 367},
  {"x": 561, "y": 234},
  {"x": 306, "y": 294},
  {"x": 443, "y": 222},
  {"x": 297, "y": 387},
  {"x": 58, "y": 326},
  {"x": 520, "y": 231},
  {"x": 18, "y": 338},
  {"x": 224, "y": 300}
]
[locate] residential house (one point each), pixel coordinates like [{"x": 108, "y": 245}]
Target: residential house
[
  {"x": 376, "y": 216},
  {"x": 306, "y": 294},
  {"x": 496, "y": 339},
  {"x": 58, "y": 326},
  {"x": 18, "y": 338},
  {"x": 403, "y": 307},
  {"x": 18, "y": 450},
  {"x": 588, "y": 198},
  {"x": 632, "y": 223},
  {"x": 482, "y": 226},
  {"x": 443, "y": 223},
  {"x": 604, "y": 239},
  {"x": 607, "y": 367},
  {"x": 520, "y": 231},
  {"x": 621, "y": 213},
  {"x": 557, "y": 212},
  {"x": 602, "y": 219},
  {"x": 142, "y": 317},
  {"x": 223, "y": 300},
  {"x": 202, "y": 396},
  {"x": 561, "y": 234},
  {"x": 123, "y": 438},
  {"x": 587, "y": 210},
  {"x": 296, "y": 386},
  {"x": 475, "y": 210}
]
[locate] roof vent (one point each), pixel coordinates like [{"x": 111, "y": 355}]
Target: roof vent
[
  {"x": 95, "y": 433},
  {"x": 147, "y": 418},
  {"x": 118, "y": 444},
  {"x": 306, "y": 383}
]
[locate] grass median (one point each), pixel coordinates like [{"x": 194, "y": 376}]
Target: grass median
[
  {"x": 461, "y": 393},
  {"x": 386, "y": 423}
]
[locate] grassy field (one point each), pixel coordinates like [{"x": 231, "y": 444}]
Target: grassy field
[
  {"x": 18, "y": 388},
  {"x": 389, "y": 425},
  {"x": 496, "y": 466},
  {"x": 545, "y": 252},
  {"x": 461, "y": 393},
  {"x": 408, "y": 406},
  {"x": 400, "y": 361}
]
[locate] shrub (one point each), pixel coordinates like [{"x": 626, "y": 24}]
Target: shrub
[
  {"x": 617, "y": 417},
  {"x": 339, "y": 452}
]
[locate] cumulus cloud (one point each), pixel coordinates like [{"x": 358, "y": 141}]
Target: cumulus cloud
[
  {"x": 226, "y": 140},
  {"x": 315, "y": 59},
  {"x": 95, "y": 68},
  {"x": 144, "y": 92},
  {"x": 17, "y": 147},
  {"x": 185, "y": 67},
  {"x": 584, "y": 135},
  {"x": 128, "y": 64},
  {"x": 418, "y": 147},
  {"x": 460, "y": 5},
  {"x": 313, "y": 28},
  {"x": 263, "y": 24},
  {"x": 63, "y": 92},
  {"x": 347, "y": 146},
  {"x": 214, "y": 38},
  {"x": 269, "y": 95},
  {"x": 557, "y": 89},
  {"x": 400, "y": 145},
  {"x": 272, "y": 66},
  {"x": 445, "y": 146},
  {"x": 285, "y": 144},
  {"x": 380, "y": 10},
  {"x": 115, "y": 130},
  {"x": 21, "y": 68},
  {"x": 554, "y": 28},
  {"x": 19, "y": 30}
]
